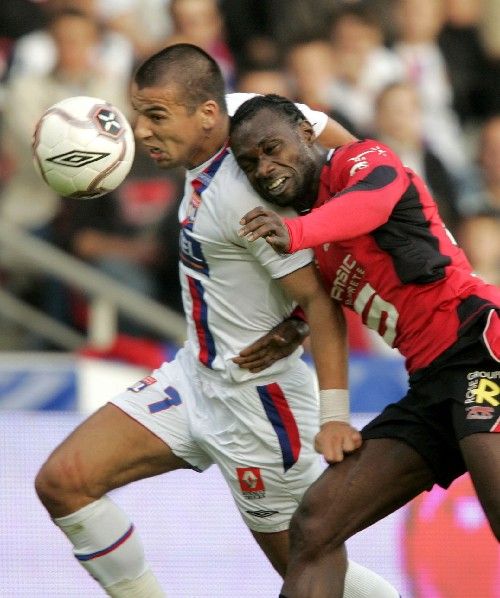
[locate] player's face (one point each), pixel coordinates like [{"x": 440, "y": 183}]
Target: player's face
[
  {"x": 276, "y": 157},
  {"x": 170, "y": 133}
]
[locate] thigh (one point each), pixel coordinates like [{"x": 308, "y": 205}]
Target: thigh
[
  {"x": 143, "y": 432},
  {"x": 109, "y": 450},
  {"x": 482, "y": 456},
  {"x": 163, "y": 403},
  {"x": 374, "y": 481}
]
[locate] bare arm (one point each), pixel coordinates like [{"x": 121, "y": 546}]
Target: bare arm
[
  {"x": 329, "y": 350},
  {"x": 334, "y": 135}
]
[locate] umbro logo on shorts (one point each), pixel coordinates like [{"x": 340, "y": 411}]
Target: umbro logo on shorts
[{"x": 262, "y": 514}]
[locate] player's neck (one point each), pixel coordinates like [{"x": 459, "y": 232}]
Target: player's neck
[
  {"x": 215, "y": 139},
  {"x": 306, "y": 201},
  {"x": 322, "y": 156}
]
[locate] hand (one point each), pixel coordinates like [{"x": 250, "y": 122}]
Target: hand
[
  {"x": 280, "y": 342},
  {"x": 260, "y": 222},
  {"x": 336, "y": 438}
]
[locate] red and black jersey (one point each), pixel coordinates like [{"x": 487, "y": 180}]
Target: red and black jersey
[{"x": 383, "y": 251}]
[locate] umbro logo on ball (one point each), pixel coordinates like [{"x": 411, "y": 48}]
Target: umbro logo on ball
[{"x": 77, "y": 158}]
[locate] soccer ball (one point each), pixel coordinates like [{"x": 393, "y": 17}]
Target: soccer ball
[{"x": 83, "y": 147}]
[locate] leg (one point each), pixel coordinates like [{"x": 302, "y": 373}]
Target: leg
[
  {"x": 481, "y": 453},
  {"x": 360, "y": 582},
  {"x": 108, "y": 450},
  {"x": 383, "y": 475},
  {"x": 275, "y": 547},
  {"x": 268, "y": 490}
]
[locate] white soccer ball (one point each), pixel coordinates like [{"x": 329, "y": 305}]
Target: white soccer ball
[{"x": 83, "y": 147}]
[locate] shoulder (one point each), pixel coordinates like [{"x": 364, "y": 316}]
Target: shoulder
[
  {"x": 364, "y": 150},
  {"x": 230, "y": 195},
  {"x": 231, "y": 178}
]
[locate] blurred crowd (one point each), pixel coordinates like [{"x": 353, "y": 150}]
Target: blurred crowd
[{"x": 423, "y": 76}]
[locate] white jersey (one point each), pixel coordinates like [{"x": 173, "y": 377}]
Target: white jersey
[{"x": 229, "y": 297}]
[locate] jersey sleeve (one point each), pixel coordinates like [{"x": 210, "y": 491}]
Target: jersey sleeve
[
  {"x": 371, "y": 180},
  {"x": 278, "y": 265}
]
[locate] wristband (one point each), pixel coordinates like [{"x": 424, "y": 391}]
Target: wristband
[{"x": 334, "y": 405}]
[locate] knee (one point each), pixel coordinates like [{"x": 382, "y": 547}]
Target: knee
[
  {"x": 314, "y": 531},
  {"x": 61, "y": 483}
]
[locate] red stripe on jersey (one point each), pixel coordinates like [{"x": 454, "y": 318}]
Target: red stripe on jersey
[
  {"x": 283, "y": 409},
  {"x": 199, "y": 315}
]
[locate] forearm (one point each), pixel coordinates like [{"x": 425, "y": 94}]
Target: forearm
[
  {"x": 328, "y": 340},
  {"x": 337, "y": 220},
  {"x": 361, "y": 207},
  {"x": 326, "y": 323}
]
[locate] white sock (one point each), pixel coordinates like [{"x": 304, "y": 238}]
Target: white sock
[
  {"x": 106, "y": 545},
  {"x": 145, "y": 586},
  {"x": 361, "y": 582}
]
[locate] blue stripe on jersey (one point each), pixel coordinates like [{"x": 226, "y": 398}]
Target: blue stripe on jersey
[
  {"x": 206, "y": 341},
  {"x": 279, "y": 414}
]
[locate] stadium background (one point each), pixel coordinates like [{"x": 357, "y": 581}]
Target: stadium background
[{"x": 437, "y": 547}]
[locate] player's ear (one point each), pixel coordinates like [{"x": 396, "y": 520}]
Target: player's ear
[
  {"x": 210, "y": 112},
  {"x": 307, "y": 132}
]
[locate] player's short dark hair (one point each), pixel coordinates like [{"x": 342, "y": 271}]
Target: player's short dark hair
[
  {"x": 195, "y": 72},
  {"x": 283, "y": 108}
]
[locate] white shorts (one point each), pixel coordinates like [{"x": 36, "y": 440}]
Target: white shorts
[{"x": 260, "y": 433}]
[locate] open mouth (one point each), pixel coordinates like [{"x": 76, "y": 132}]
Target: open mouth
[
  {"x": 156, "y": 153},
  {"x": 276, "y": 186}
]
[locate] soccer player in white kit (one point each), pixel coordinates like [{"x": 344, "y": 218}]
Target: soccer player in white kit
[{"x": 203, "y": 408}]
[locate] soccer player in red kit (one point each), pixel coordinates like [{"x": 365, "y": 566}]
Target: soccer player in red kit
[{"x": 383, "y": 251}]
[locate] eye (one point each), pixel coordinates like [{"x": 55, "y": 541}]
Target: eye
[
  {"x": 156, "y": 118},
  {"x": 272, "y": 147}
]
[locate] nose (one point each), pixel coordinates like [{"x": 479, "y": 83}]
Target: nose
[
  {"x": 265, "y": 167},
  {"x": 141, "y": 128}
]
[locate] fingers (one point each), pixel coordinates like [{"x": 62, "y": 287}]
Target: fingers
[
  {"x": 260, "y": 227},
  {"x": 255, "y": 363},
  {"x": 335, "y": 440},
  {"x": 249, "y": 216},
  {"x": 259, "y": 223},
  {"x": 333, "y": 452},
  {"x": 262, "y": 345},
  {"x": 276, "y": 243},
  {"x": 254, "y": 349},
  {"x": 264, "y": 353},
  {"x": 257, "y": 366},
  {"x": 353, "y": 442},
  {"x": 350, "y": 443}
]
